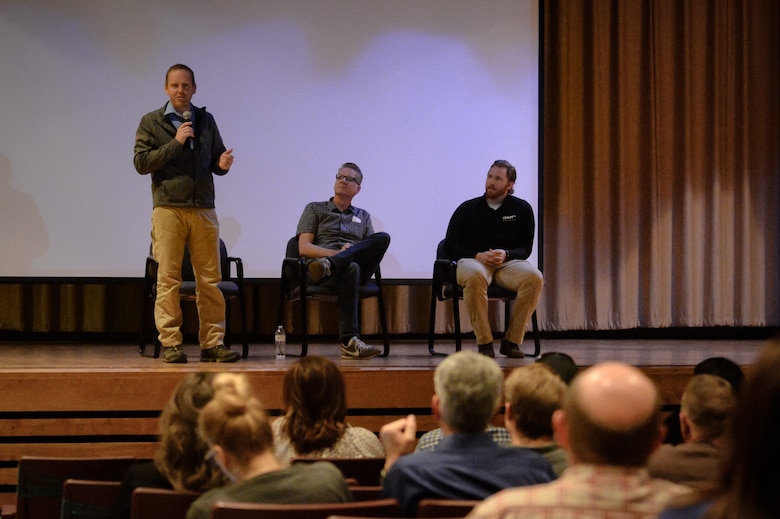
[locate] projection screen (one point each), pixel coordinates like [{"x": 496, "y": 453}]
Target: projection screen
[{"x": 422, "y": 94}]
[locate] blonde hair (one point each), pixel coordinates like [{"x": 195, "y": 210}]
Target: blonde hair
[{"x": 234, "y": 419}]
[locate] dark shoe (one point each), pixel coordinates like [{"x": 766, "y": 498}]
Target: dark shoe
[
  {"x": 219, "y": 354},
  {"x": 318, "y": 269},
  {"x": 486, "y": 349},
  {"x": 510, "y": 349},
  {"x": 174, "y": 355}
]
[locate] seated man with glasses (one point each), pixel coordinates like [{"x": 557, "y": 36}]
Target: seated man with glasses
[{"x": 343, "y": 249}]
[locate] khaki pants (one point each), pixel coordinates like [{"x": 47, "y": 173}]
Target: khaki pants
[
  {"x": 172, "y": 229},
  {"x": 516, "y": 275}
]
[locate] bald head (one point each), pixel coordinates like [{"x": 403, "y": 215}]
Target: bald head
[{"x": 612, "y": 416}]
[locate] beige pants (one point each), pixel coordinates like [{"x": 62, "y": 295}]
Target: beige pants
[
  {"x": 172, "y": 229},
  {"x": 517, "y": 275}
]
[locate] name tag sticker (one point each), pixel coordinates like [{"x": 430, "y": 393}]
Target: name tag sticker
[{"x": 356, "y": 219}]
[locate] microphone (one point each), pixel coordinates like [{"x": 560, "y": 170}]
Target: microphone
[{"x": 187, "y": 115}]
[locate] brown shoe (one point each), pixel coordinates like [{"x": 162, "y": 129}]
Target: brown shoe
[
  {"x": 318, "y": 269},
  {"x": 174, "y": 355},
  {"x": 486, "y": 349},
  {"x": 510, "y": 349},
  {"x": 219, "y": 354}
]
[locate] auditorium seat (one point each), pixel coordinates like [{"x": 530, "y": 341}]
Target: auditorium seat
[
  {"x": 90, "y": 499},
  {"x": 158, "y": 503},
  {"x": 445, "y": 507},
  {"x": 373, "y": 508},
  {"x": 41, "y": 480}
]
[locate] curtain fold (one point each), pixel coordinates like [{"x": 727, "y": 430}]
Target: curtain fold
[{"x": 661, "y": 164}]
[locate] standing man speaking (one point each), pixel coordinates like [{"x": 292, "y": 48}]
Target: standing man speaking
[{"x": 180, "y": 145}]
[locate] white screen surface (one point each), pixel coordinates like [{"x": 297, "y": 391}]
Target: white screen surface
[{"x": 422, "y": 95}]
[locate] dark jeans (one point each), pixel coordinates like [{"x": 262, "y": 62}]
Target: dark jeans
[{"x": 349, "y": 269}]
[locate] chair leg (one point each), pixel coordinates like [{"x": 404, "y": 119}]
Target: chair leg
[
  {"x": 456, "y": 318},
  {"x": 537, "y": 340},
  {"x": 242, "y": 311},
  {"x": 383, "y": 324},
  {"x": 432, "y": 324}
]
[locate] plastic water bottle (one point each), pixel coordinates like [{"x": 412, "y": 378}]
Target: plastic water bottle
[{"x": 280, "y": 342}]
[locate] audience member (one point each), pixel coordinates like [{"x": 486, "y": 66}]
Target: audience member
[
  {"x": 749, "y": 479},
  {"x": 236, "y": 427},
  {"x": 491, "y": 237},
  {"x": 533, "y": 393},
  {"x": 344, "y": 251},
  {"x": 705, "y": 414},
  {"x": 314, "y": 423},
  {"x": 609, "y": 426},
  {"x": 466, "y": 464},
  {"x": 718, "y": 366},
  {"x": 561, "y": 363},
  {"x": 179, "y": 462}
]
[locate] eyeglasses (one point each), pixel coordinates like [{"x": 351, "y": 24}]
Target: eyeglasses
[{"x": 345, "y": 178}]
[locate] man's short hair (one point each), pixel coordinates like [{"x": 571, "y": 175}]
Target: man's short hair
[
  {"x": 511, "y": 172},
  {"x": 354, "y": 167},
  {"x": 534, "y": 393},
  {"x": 592, "y": 442},
  {"x": 724, "y": 368},
  {"x": 180, "y": 66},
  {"x": 708, "y": 402},
  {"x": 469, "y": 389}
]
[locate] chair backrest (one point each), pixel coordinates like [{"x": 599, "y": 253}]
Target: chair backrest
[
  {"x": 292, "y": 250},
  {"x": 187, "y": 273},
  {"x": 40, "y": 481},
  {"x": 374, "y": 508},
  {"x": 94, "y": 499},
  {"x": 445, "y": 507},
  {"x": 159, "y": 503},
  {"x": 365, "y": 470},
  {"x": 441, "y": 251},
  {"x": 366, "y": 492}
]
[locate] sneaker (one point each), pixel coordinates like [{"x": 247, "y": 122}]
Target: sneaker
[
  {"x": 357, "y": 349},
  {"x": 219, "y": 354},
  {"x": 510, "y": 349},
  {"x": 174, "y": 355},
  {"x": 486, "y": 349},
  {"x": 318, "y": 269}
]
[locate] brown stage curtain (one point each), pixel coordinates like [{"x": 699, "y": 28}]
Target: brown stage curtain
[{"x": 661, "y": 164}]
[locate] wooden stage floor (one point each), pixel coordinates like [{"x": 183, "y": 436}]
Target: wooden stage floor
[
  {"x": 413, "y": 355},
  {"x": 83, "y": 400}
]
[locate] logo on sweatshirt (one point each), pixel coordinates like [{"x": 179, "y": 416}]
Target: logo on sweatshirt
[{"x": 509, "y": 218}]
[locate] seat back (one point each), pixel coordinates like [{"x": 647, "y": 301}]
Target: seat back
[
  {"x": 373, "y": 508},
  {"x": 445, "y": 507},
  {"x": 366, "y": 471},
  {"x": 159, "y": 503},
  {"x": 94, "y": 499},
  {"x": 187, "y": 273},
  {"x": 41, "y": 480}
]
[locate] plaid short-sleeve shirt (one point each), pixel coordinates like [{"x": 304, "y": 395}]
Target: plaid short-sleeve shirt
[{"x": 333, "y": 228}]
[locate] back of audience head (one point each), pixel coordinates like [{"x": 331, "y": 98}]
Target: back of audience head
[
  {"x": 315, "y": 404},
  {"x": 750, "y": 475},
  {"x": 236, "y": 421},
  {"x": 611, "y": 417},
  {"x": 181, "y": 456},
  {"x": 533, "y": 393},
  {"x": 705, "y": 408},
  {"x": 561, "y": 364},
  {"x": 468, "y": 389},
  {"x": 724, "y": 368}
]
